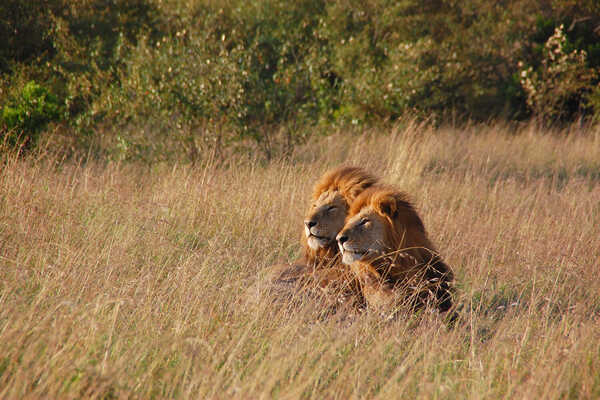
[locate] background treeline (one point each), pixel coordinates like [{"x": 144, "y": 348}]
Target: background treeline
[{"x": 156, "y": 79}]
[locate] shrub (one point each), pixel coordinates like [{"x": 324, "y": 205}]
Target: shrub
[
  {"x": 23, "y": 30},
  {"x": 28, "y": 114},
  {"x": 561, "y": 80},
  {"x": 234, "y": 74}
]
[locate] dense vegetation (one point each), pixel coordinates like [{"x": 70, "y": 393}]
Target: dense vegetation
[{"x": 157, "y": 79}]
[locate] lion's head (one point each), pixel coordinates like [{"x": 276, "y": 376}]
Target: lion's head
[
  {"x": 332, "y": 196},
  {"x": 382, "y": 220}
]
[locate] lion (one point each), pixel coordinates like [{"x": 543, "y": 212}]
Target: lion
[
  {"x": 320, "y": 264},
  {"x": 332, "y": 197},
  {"x": 385, "y": 244}
]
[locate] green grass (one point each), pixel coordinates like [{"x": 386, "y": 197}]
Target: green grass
[{"x": 124, "y": 280}]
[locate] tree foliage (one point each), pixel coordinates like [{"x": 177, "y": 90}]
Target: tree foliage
[{"x": 158, "y": 77}]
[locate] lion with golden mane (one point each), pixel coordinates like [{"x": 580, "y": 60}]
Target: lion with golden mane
[
  {"x": 320, "y": 264},
  {"x": 387, "y": 248}
]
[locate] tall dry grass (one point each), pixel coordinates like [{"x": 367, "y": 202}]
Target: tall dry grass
[{"x": 121, "y": 281}]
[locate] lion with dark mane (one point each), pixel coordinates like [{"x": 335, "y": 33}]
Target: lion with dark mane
[{"x": 385, "y": 244}]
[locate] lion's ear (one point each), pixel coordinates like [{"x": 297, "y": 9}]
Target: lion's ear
[{"x": 388, "y": 206}]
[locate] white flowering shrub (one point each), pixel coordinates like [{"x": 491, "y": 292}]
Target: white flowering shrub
[{"x": 558, "y": 87}]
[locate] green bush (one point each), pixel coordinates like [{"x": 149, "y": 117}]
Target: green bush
[
  {"x": 237, "y": 75},
  {"x": 29, "y": 114}
]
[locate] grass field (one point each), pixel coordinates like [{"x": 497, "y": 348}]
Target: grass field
[{"x": 130, "y": 281}]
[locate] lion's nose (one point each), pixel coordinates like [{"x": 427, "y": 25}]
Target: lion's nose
[
  {"x": 310, "y": 224},
  {"x": 342, "y": 239}
]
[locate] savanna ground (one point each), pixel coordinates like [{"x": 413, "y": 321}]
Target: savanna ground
[{"x": 124, "y": 280}]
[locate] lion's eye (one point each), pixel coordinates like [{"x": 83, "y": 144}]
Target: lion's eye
[
  {"x": 363, "y": 221},
  {"x": 331, "y": 208}
]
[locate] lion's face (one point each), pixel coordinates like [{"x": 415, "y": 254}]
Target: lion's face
[
  {"x": 364, "y": 236},
  {"x": 325, "y": 219}
]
